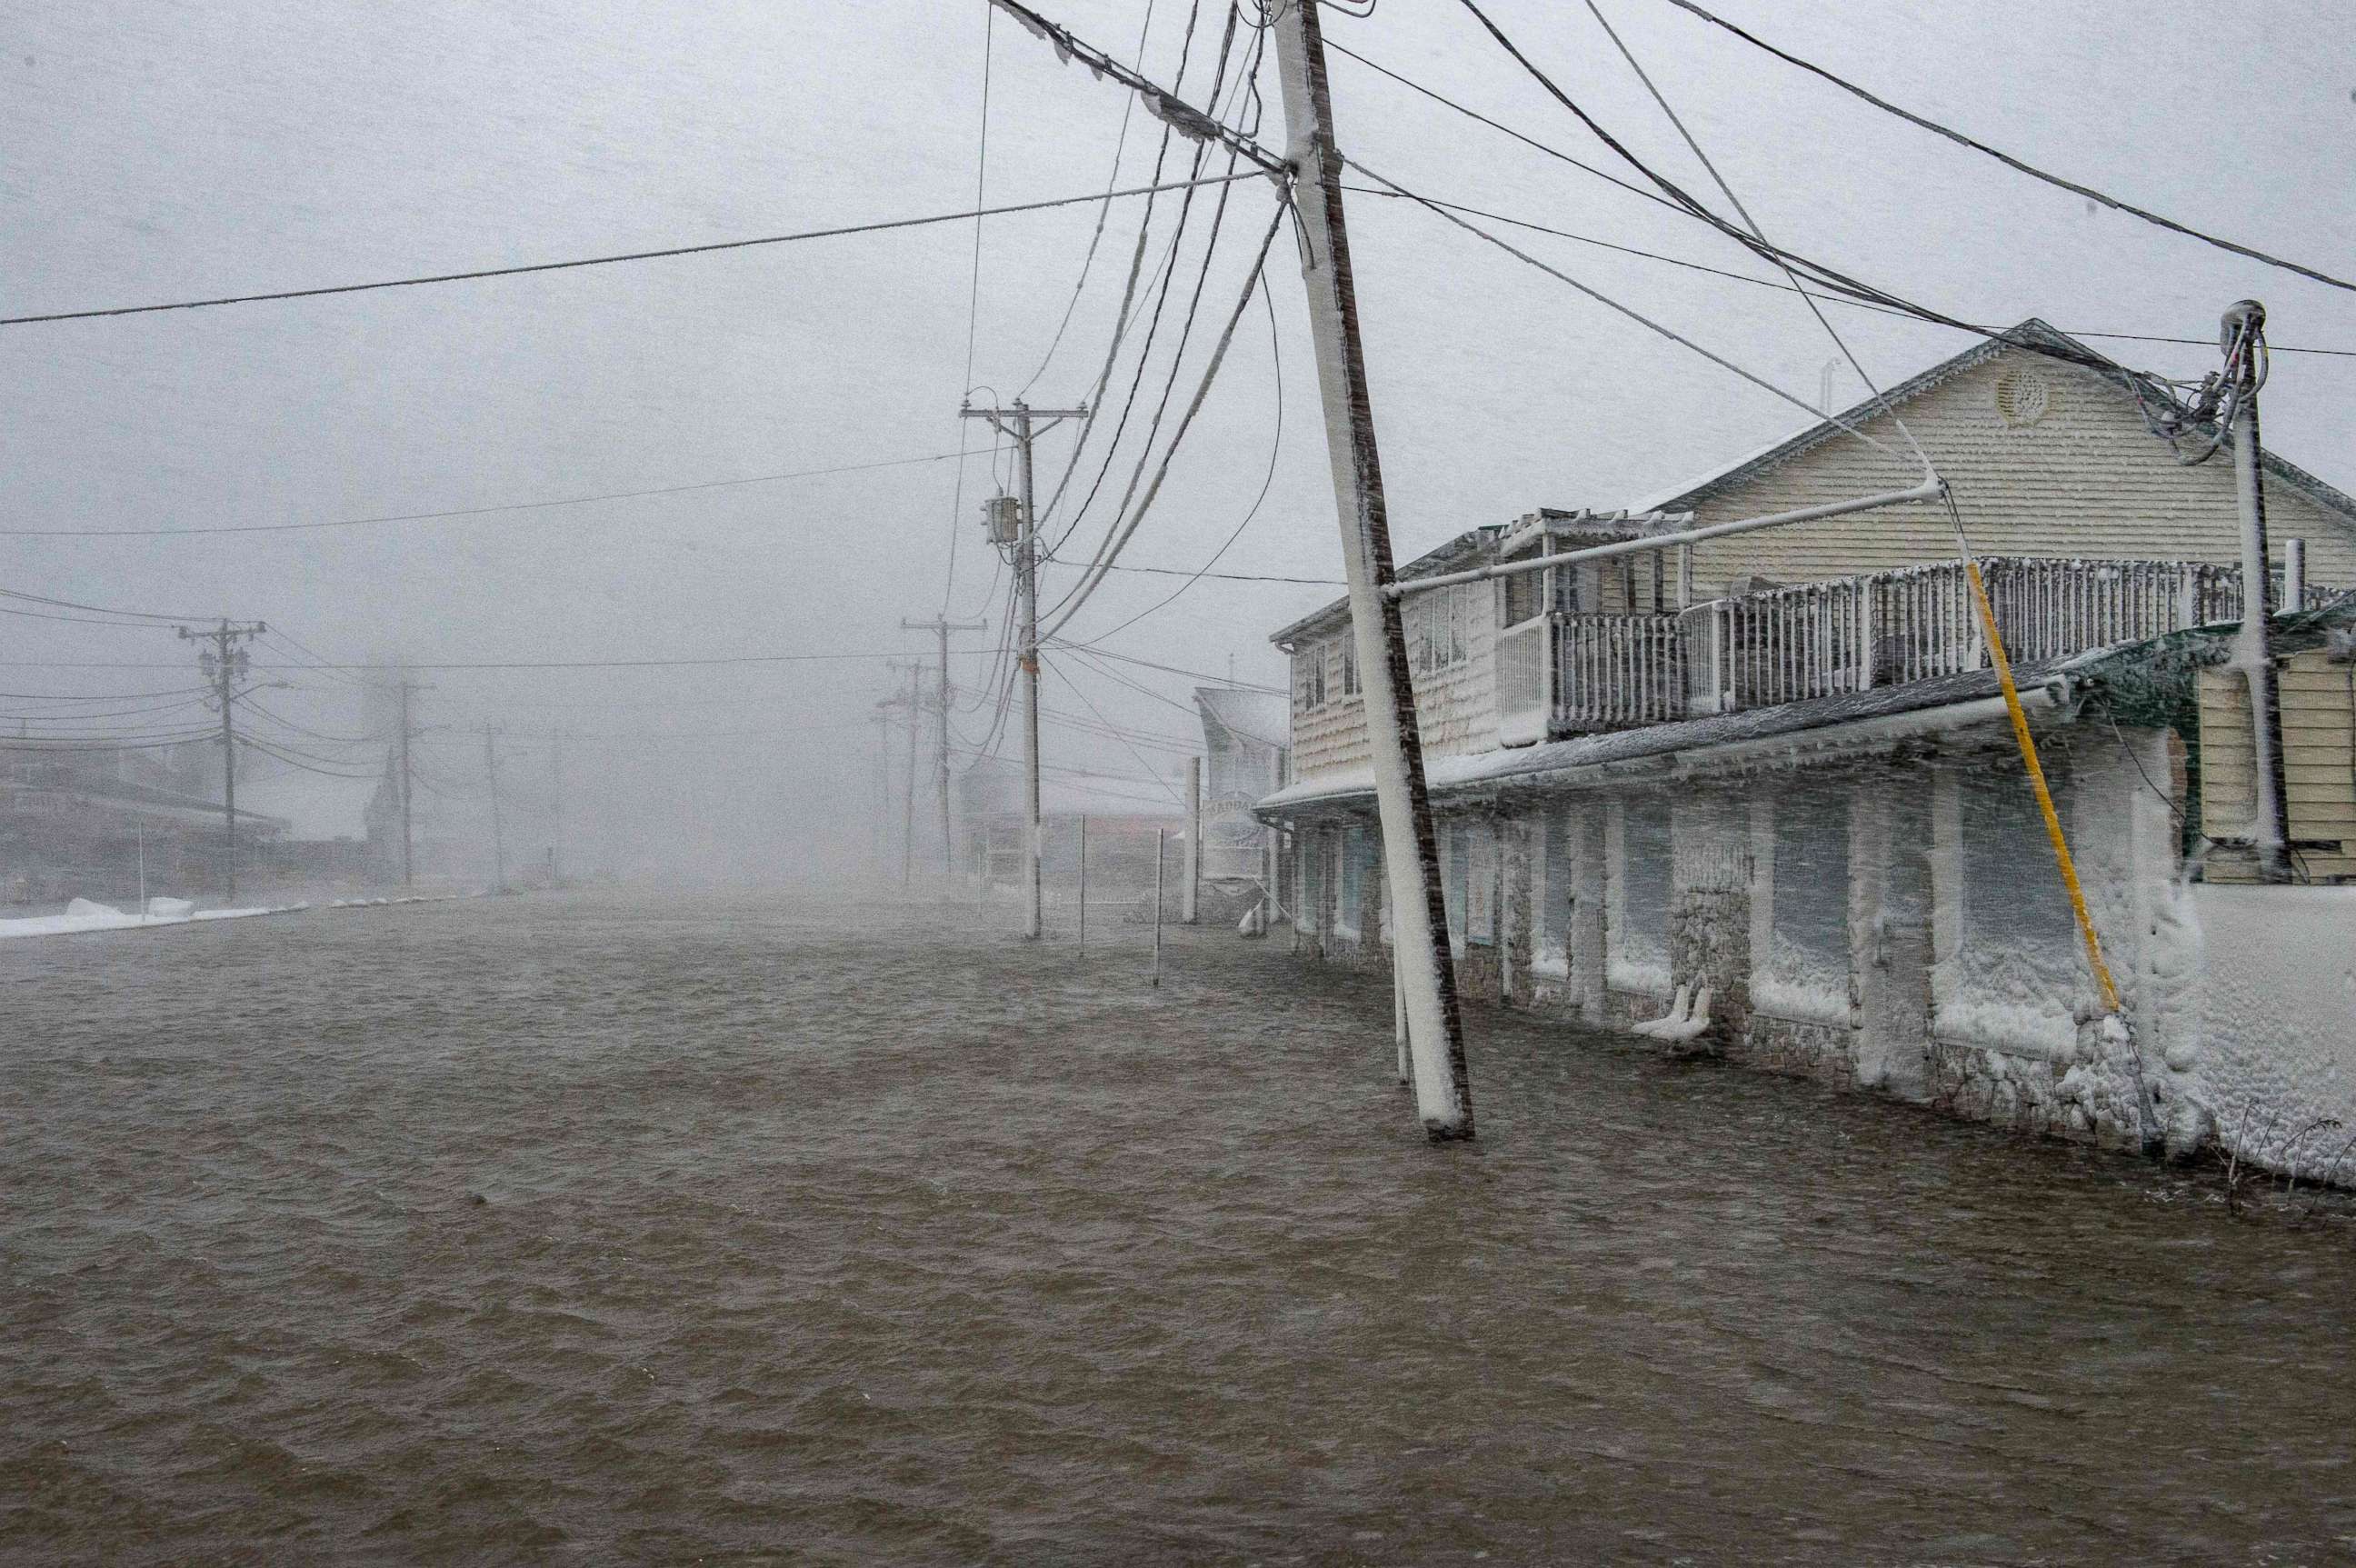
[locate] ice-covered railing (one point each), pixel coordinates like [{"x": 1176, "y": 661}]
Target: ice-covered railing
[
  {"x": 1618, "y": 671},
  {"x": 1850, "y": 634},
  {"x": 1561, "y": 673}
]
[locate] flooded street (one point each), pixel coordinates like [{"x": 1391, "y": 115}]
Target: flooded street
[{"x": 617, "y": 1227}]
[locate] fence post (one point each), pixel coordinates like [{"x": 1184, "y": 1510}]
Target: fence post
[
  {"x": 1083, "y": 887},
  {"x": 1158, "y": 858}
]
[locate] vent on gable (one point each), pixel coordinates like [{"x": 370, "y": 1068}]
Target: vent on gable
[{"x": 2022, "y": 398}]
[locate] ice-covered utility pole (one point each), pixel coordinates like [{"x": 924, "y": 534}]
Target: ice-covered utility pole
[
  {"x": 1021, "y": 425},
  {"x": 944, "y": 626},
  {"x": 224, "y": 664},
  {"x": 2244, "y": 326},
  {"x": 1425, "y": 971}
]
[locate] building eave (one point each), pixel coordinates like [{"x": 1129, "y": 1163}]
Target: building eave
[
  {"x": 1447, "y": 557},
  {"x": 1796, "y": 732}
]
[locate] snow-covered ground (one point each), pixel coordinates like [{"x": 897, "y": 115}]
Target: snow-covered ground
[
  {"x": 83, "y": 916},
  {"x": 2278, "y": 1024}
]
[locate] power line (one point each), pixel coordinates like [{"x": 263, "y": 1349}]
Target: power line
[
  {"x": 717, "y": 245},
  {"x": 516, "y": 664},
  {"x": 97, "y": 697},
  {"x": 1119, "y": 145},
  {"x": 1824, "y": 298},
  {"x": 1180, "y": 670},
  {"x": 156, "y": 616},
  {"x": 1817, "y": 272},
  {"x": 1557, "y": 153},
  {"x": 973, "y": 303},
  {"x": 1125, "y": 529},
  {"x": 486, "y": 511},
  {"x": 1228, "y": 576},
  {"x": 1275, "y": 449},
  {"x": 1960, "y": 139}
]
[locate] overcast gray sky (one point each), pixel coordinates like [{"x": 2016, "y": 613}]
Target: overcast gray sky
[{"x": 151, "y": 152}]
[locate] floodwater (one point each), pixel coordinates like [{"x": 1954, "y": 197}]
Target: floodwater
[{"x": 604, "y": 1229}]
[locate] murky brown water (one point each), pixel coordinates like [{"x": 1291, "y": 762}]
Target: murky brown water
[{"x": 937, "y": 1248}]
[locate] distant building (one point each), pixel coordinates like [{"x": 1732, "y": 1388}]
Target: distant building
[
  {"x": 82, "y": 820},
  {"x": 1247, "y": 748},
  {"x": 1773, "y": 767},
  {"x": 1122, "y": 815}
]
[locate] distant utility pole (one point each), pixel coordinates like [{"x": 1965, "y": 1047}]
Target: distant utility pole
[
  {"x": 883, "y": 783},
  {"x": 408, "y": 838},
  {"x": 943, "y": 626},
  {"x": 1189, "y": 895},
  {"x": 499, "y": 832},
  {"x": 224, "y": 664},
  {"x": 556, "y": 807},
  {"x": 1019, "y": 424},
  {"x": 911, "y": 702},
  {"x": 1425, "y": 971}
]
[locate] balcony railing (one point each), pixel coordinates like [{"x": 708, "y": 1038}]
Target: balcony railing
[{"x": 1569, "y": 674}]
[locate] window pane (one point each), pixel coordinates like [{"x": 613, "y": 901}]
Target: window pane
[
  {"x": 1644, "y": 892},
  {"x": 1811, "y": 892},
  {"x": 2012, "y": 893},
  {"x": 1554, "y": 916}
]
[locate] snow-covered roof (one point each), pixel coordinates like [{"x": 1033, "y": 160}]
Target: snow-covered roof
[{"x": 1262, "y": 717}]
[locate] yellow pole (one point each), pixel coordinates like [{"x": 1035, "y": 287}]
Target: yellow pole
[{"x": 2036, "y": 778}]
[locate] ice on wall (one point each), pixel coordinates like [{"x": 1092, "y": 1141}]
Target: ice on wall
[{"x": 2277, "y": 1052}]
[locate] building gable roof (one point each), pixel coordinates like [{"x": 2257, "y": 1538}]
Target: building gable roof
[
  {"x": 1265, "y": 717},
  {"x": 2033, "y": 336}
]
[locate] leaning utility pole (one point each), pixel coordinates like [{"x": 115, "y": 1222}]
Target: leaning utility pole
[
  {"x": 498, "y": 833},
  {"x": 1018, "y": 424},
  {"x": 224, "y": 664},
  {"x": 944, "y": 626},
  {"x": 1425, "y": 971},
  {"x": 2243, "y": 331}
]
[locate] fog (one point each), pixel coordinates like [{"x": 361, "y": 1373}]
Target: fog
[{"x": 151, "y": 153}]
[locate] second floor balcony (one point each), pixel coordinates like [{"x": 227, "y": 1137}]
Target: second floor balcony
[{"x": 1561, "y": 672}]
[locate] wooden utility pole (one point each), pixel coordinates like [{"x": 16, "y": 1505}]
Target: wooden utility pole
[
  {"x": 943, "y": 626},
  {"x": 2244, "y": 330},
  {"x": 1157, "y": 859},
  {"x": 912, "y": 706},
  {"x": 556, "y": 805},
  {"x": 224, "y": 664},
  {"x": 408, "y": 838},
  {"x": 498, "y": 831},
  {"x": 1190, "y": 893},
  {"x": 883, "y": 784},
  {"x": 1425, "y": 971},
  {"x": 1020, "y": 425}
]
